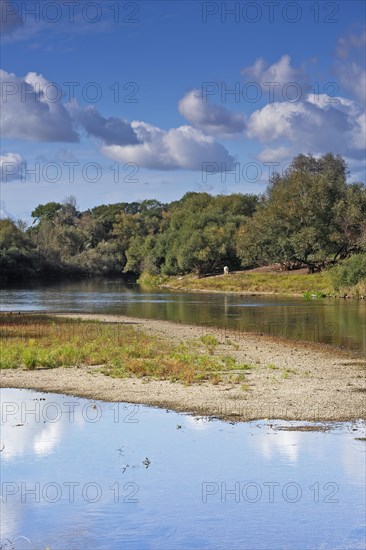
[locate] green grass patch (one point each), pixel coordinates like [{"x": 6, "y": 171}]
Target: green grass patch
[
  {"x": 318, "y": 284},
  {"x": 33, "y": 342},
  {"x": 308, "y": 295},
  {"x": 210, "y": 342},
  {"x": 336, "y": 281},
  {"x": 287, "y": 372},
  {"x": 348, "y": 278}
]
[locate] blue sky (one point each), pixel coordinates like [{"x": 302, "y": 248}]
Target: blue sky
[{"x": 149, "y": 101}]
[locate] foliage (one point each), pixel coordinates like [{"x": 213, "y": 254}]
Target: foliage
[
  {"x": 350, "y": 272},
  {"x": 200, "y": 234},
  {"x": 17, "y": 251},
  {"x": 309, "y": 216},
  {"x": 46, "y": 211}
]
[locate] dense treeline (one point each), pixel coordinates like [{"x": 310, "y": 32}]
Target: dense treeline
[{"x": 308, "y": 216}]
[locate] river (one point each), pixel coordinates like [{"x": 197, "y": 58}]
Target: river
[
  {"x": 79, "y": 474},
  {"x": 338, "y": 322}
]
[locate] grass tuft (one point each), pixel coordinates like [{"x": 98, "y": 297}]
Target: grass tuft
[{"x": 32, "y": 342}]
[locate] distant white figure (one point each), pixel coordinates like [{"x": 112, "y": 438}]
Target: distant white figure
[{"x": 226, "y": 270}]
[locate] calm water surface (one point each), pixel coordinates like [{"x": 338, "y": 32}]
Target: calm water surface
[
  {"x": 337, "y": 322},
  {"x": 78, "y": 474}
]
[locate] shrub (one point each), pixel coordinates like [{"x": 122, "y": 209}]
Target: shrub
[{"x": 349, "y": 272}]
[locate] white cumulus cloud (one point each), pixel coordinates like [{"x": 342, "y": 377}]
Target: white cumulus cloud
[
  {"x": 11, "y": 166},
  {"x": 280, "y": 77},
  {"x": 32, "y": 111},
  {"x": 210, "y": 118},
  {"x": 184, "y": 148},
  {"x": 112, "y": 130},
  {"x": 274, "y": 120},
  {"x": 318, "y": 125}
]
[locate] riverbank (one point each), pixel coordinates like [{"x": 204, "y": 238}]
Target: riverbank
[
  {"x": 265, "y": 377},
  {"x": 257, "y": 282}
]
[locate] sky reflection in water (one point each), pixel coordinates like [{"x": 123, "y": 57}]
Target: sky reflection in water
[{"x": 206, "y": 484}]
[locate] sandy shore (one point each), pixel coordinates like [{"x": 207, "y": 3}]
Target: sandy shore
[{"x": 305, "y": 382}]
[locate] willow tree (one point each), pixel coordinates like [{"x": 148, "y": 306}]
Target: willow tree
[{"x": 309, "y": 215}]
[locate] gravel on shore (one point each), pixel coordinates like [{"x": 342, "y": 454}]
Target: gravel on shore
[{"x": 290, "y": 380}]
